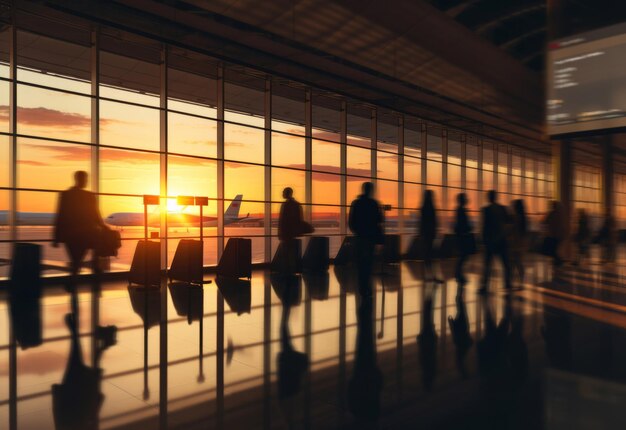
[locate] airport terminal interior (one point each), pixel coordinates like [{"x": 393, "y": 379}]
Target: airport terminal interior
[{"x": 187, "y": 120}]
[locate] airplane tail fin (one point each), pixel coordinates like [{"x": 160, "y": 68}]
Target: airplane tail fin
[{"x": 232, "y": 212}]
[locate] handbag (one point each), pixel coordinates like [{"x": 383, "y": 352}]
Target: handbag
[
  {"x": 305, "y": 228},
  {"x": 109, "y": 242}
]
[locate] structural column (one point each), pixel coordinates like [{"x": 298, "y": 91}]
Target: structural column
[
  {"x": 607, "y": 177},
  {"x": 562, "y": 167}
]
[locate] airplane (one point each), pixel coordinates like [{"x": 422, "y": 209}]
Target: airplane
[
  {"x": 129, "y": 219},
  {"x": 177, "y": 219}
]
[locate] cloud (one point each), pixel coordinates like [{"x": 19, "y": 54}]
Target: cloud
[
  {"x": 44, "y": 117},
  {"x": 201, "y": 142},
  {"x": 32, "y": 163},
  {"x": 187, "y": 161},
  {"x": 108, "y": 155},
  {"x": 237, "y": 144},
  {"x": 326, "y": 135},
  {"x": 332, "y": 170},
  {"x": 63, "y": 152}
]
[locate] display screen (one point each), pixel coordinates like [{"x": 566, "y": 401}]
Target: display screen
[{"x": 586, "y": 77}]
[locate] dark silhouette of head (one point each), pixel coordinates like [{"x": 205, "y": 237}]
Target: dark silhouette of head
[
  {"x": 80, "y": 179},
  {"x": 368, "y": 189},
  {"x": 287, "y": 193},
  {"x": 461, "y": 199},
  {"x": 492, "y": 196}
]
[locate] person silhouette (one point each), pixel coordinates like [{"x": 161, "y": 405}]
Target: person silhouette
[
  {"x": 365, "y": 385},
  {"x": 582, "y": 237},
  {"x": 555, "y": 233},
  {"x": 464, "y": 238},
  {"x": 78, "y": 221},
  {"x": 365, "y": 221},
  {"x": 290, "y": 222},
  {"x": 494, "y": 221},
  {"x": 428, "y": 233},
  {"x": 518, "y": 237},
  {"x": 608, "y": 237}
]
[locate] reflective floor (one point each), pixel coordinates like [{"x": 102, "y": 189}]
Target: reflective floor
[{"x": 306, "y": 352}]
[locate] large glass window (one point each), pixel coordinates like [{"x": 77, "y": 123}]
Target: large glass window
[{"x": 138, "y": 154}]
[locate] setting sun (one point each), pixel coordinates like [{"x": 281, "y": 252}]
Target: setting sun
[{"x": 172, "y": 206}]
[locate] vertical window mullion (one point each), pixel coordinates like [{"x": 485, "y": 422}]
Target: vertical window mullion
[
  {"x": 374, "y": 146},
  {"x": 220, "y": 160},
  {"x": 13, "y": 138},
  {"x": 95, "y": 111},
  {"x": 444, "y": 169},
  {"x": 343, "y": 138},
  {"x": 400, "y": 184},
  {"x": 163, "y": 155},
  {"x": 13, "y": 215},
  {"x": 479, "y": 165},
  {"x": 308, "y": 155},
  {"x": 267, "y": 216},
  {"x": 423, "y": 152},
  {"x": 163, "y": 339},
  {"x": 464, "y": 162}
]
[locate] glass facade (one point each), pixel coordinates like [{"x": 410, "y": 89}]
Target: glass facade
[{"x": 145, "y": 118}]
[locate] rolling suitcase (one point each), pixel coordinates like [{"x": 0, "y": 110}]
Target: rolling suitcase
[
  {"x": 187, "y": 262},
  {"x": 25, "y": 272},
  {"x": 25, "y": 294},
  {"x": 315, "y": 258},
  {"x": 236, "y": 261},
  {"x": 144, "y": 271}
]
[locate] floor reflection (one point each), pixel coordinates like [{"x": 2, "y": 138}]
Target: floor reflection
[{"x": 306, "y": 351}]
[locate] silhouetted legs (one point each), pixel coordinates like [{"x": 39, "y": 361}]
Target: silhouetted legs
[
  {"x": 364, "y": 260},
  {"x": 77, "y": 252},
  {"x": 291, "y": 255},
  {"x": 501, "y": 251},
  {"x": 552, "y": 250},
  {"x": 458, "y": 272}
]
